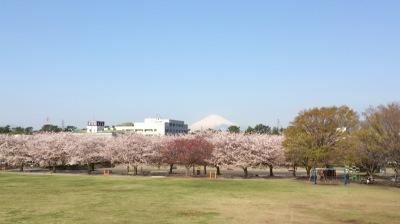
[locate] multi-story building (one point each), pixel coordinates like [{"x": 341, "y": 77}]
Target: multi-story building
[
  {"x": 155, "y": 126},
  {"x": 95, "y": 126}
]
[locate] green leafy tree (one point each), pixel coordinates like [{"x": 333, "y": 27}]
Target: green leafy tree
[
  {"x": 50, "y": 128},
  {"x": 29, "y": 130},
  {"x": 18, "y": 130},
  {"x": 368, "y": 153},
  {"x": 262, "y": 129},
  {"x": 317, "y": 137},
  {"x": 5, "y": 130},
  {"x": 277, "y": 131},
  {"x": 234, "y": 129},
  {"x": 379, "y": 139},
  {"x": 70, "y": 129},
  {"x": 249, "y": 130}
]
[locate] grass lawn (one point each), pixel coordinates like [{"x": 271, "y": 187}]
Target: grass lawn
[{"x": 41, "y": 198}]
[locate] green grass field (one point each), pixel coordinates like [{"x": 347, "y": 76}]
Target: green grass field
[{"x": 41, "y": 198}]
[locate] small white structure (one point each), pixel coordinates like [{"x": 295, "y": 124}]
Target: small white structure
[
  {"x": 155, "y": 126},
  {"x": 95, "y": 126}
]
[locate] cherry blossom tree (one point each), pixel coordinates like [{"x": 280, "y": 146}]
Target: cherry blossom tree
[
  {"x": 157, "y": 145},
  {"x": 195, "y": 150},
  {"x": 242, "y": 152},
  {"x": 170, "y": 153},
  {"x": 246, "y": 150},
  {"x": 133, "y": 150},
  {"x": 206, "y": 149},
  {"x": 219, "y": 156},
  {"x": 89, "y": 150},
  {"x": 109, "y": 152},
  {"x": 16, "y": 150},
  {"x": 3, "y": 139},
  {"x": 234, "y": 149},
  {"x": 187, "y": 150},
  {"x": 52, "y": 149},
  {"x": 269, "y": 150},
  {"x": 200, "y": 149}
]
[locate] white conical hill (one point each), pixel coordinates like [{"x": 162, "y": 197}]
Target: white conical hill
[{"x": 215, "y": 122}]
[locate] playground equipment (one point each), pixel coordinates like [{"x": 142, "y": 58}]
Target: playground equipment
[
  {"x": 213, "y": 175},
  {"x": 327, "y": 175},
  {"x": 354, "y": 173}
]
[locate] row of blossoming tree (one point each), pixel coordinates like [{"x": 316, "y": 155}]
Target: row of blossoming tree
[
  {"x": 318, "y": 137},
  {"x": 217, "y": 149}
]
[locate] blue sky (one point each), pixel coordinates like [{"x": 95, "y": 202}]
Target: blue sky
[{"x": 250, "y": 61}]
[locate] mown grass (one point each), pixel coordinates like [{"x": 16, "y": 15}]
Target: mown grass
[{"x": 39, "y": 198}]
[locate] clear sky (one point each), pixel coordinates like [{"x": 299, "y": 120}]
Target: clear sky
[{"x": 250, "y": 61}]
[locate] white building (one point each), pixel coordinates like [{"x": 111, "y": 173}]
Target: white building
[
  {"x": 156, "y": 126},
  {"x": 95, "y": 126}
]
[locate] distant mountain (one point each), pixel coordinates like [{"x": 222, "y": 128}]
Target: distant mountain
[{"x": 215, "y": 122}]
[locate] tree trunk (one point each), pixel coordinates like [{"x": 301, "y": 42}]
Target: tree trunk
[
  {"x": 171, "y": 167},
  {"x": 194, "y": 171},
  {"x": 246, "y": 173},
  {"x": 92, "y": 166},
  {"x": 127, "y": 170},
  {"x": 21, "y": 168},
  {"x": 54, "y": 169},
  {"x": 187, "y": 170},
  {"x": 271, "y": 170},
  {"x": 371, "y": 171},
  {"x": 308, "y": 169},
  {"x": 89, "y": 168},
  {"x": 218, "y": 171},
  {"x": 135, "y": 170},
  {"x": 294, "y": 170},
  {"x": 205, "y": 169}
]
